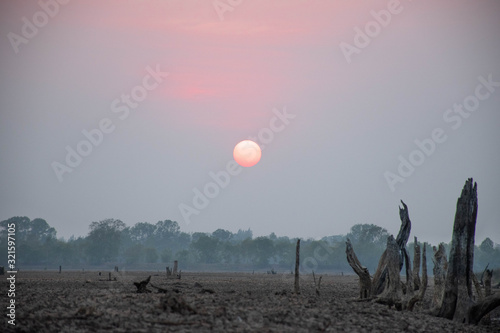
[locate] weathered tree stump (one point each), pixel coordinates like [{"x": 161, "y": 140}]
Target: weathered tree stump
[
  {"x": 457, "y": 297},
  {"x": 392, "y": 288},
  {"x": 423, "y": 287},
  {"x": 141, "y": 286},
  {"x": 317, "y": 285},
  {"x": 488, "y": 275},
  {"x": 416, "y": 264},
  {"x": 380, "y": 276},
  {"x": 297, "y": 261},
  {"x": 457, "y": 303},
  {"x": 169, "y": 272},
  {"x": 175, "y": 268},
  {"x": 440, "y": 267},
  {"x": 365, "y": 282}
]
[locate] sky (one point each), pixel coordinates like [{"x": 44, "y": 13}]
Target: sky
[{"x": 131, "y": 110}]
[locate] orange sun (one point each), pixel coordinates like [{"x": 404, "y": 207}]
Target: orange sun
[{"x": 247, "y": 153}]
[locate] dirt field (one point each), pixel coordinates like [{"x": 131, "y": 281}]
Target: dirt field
[{"x": 86, "y": 302}]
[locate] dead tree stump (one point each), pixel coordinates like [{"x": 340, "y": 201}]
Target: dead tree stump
[
  {"x": 141, "y": 286},
  {"x": 457, "y": 297},
  {"x": 458, "y": 303},
  {"x": 297, "y": 260},
  {"x": 365, "y": 282},
  {"x": 423, "y": 287},
  {"x": 488, "y": 275},
  {"x": 379, "y": 282},
  {"x": 392, "y": 288},
  {"x": 439, "y": 270},
  {"x": 416, "y": 264},
  {"x": 175, "y": 268}
]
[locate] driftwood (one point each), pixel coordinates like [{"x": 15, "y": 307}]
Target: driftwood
[
  {"x": 297, "y": 261},
  {"x": 141, "y": 286},
  {"x": 423, "y": 287},
  {"x": 457, "y": 303},
  {"x": 439, "y": 270},
  {"x": 365, "y": 282},
  {"x": 416, "y": 264}
]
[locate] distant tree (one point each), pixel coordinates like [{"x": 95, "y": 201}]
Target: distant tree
[
  {"x": 241, "y": 235},
  {"x": 368, "y": 233},
  {"x": 206, "y": 248},
  {"x": 134, "y": 254},
  {"x": 222, "y": 235},
  {"x": 166, "y": 255},
  {"x": 150, "y": 255},
  {"x": 103, "y": 241},
  {"x": 142, "y": 232},
  {"x": 487, "y": 246},
  {"x": 264, "y": 249}
]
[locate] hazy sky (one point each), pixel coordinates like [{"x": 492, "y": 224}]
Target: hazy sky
[{"x": 336, "y": 91}]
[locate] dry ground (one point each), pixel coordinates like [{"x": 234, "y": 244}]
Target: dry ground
[{"x": 82, "y": 302}]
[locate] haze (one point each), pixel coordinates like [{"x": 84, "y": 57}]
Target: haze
[{"x": 332, "y": 124}]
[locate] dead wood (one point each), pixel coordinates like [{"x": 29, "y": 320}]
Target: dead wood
[
  {"x": 141, "y": 286},
  {"x": 416, "y": 264},
  {"x": 457, "y": 297},
  {"x": 423, "y": 287},
  {"x": 297, "y": 261},
  {"x": 365, "y": 282},
  {"x": 440, "y": 267}
]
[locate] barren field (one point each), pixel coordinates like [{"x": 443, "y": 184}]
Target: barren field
[{"x": 86, "y": 302}]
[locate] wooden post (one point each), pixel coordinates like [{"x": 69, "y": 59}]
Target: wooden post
[
  {"x": 60, "y": 269},
  {"x": 365, "y": 282},
  {"x": 297, "y": 260},
  {"x": 109, "y": 276},
  {"x": 175, "y": 268},
  {"x": 416, "y": 264},
  {"x": 2, "y": 270}
]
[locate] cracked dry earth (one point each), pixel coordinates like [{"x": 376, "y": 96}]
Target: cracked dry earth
[{"x": 235, "y": 302}]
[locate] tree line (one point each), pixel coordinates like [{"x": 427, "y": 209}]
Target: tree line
[{"x": 111, "y": 242}]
